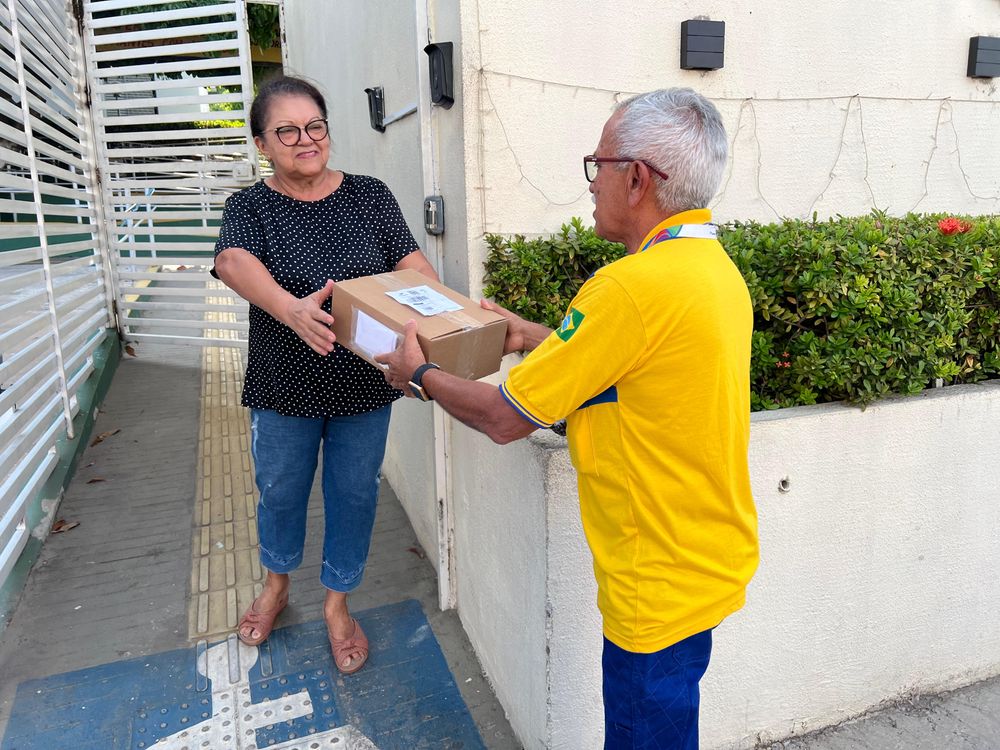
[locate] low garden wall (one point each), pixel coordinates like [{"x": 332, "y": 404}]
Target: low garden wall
[{"x": 880, "y": 538}]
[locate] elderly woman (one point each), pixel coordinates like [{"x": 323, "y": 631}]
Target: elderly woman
[{"x": 283, "y": 243}]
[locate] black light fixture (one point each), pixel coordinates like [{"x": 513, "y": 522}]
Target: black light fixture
[
  {"x": 703, "y": 44},
  {"x": 441, "y": 73},
  {"x": 984, "y": 57}
]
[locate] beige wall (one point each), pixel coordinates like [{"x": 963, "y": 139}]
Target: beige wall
[{"x": 551, "y": 72}]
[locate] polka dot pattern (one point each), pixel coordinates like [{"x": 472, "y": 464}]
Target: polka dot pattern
[{"x": 357, "y": 230}]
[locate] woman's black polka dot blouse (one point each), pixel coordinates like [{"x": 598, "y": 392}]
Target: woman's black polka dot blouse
[{"x": 357, "y": 230}]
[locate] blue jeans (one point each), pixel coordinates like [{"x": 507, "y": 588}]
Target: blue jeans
[
  {"x": 285, "y": 451},
  {"x": 651, "y": 700}
]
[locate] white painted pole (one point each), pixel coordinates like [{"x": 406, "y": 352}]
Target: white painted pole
[{"x": 447, "y": 587}]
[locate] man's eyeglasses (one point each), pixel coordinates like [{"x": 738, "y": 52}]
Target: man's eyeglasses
[
  {"x": 289, "y": 135},
  {"x": 591, "y": 164}
]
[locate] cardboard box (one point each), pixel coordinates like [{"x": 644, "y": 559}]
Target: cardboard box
[{"x": 465, "y": 340}]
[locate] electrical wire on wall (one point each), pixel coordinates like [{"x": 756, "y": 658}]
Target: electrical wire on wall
[{"x": 852, "y": 104}]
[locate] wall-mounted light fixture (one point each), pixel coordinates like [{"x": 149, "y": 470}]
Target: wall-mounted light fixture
[
  {"x": 441, "y": 73},
  {"x": 703, "y": 44},
  {"x": 984, "y": 57}
]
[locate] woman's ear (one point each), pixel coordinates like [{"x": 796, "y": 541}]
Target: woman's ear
[{"x": 259, "y": 143}]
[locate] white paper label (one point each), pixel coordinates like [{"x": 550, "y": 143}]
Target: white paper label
[
  {"x": 424, "y": 300},
  {"x": 372, "y": 337}
]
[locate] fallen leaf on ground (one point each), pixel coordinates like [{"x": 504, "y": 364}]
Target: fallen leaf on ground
[
  {"x": 130, "y": 350},
  {"x": 61, "y": 525},
  {"x": 104, "y": 435},
  {"x": 96, "y": 479}
]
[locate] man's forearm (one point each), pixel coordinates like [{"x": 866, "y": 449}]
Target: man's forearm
[{"x": 477, "y": 405}]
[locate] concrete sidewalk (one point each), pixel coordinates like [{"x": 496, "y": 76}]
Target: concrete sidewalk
[
  {"x": 112, "y": 601},
  {"x": 966, "y": 719}
]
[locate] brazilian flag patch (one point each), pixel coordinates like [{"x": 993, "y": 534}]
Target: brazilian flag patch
[{"x": 570, "y": 324}]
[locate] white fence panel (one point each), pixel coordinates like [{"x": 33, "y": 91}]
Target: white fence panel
[
  {"x": 55, "y": 304},
  {"x": 171, "y": 93}
]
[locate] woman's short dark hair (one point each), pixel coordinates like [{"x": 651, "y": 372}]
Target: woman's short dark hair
[{"x": 275, "y": 88}]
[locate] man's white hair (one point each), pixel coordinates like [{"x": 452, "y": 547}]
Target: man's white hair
[{"x": 680, "y": 133}]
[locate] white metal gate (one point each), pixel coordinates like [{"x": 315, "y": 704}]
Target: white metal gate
[
  {"x": 170, "y": 92},
  {"x": 54, "y": 310},
  {"x": 116, "y": 155}
]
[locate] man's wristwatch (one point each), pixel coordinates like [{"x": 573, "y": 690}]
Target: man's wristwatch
[{"x": 416, "y": 381}]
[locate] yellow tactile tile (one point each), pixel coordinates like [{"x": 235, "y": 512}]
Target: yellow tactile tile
[{"x": 225, "y": 571}]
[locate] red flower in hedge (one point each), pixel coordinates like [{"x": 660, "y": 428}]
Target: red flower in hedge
[{"x": 951, "y": 225}]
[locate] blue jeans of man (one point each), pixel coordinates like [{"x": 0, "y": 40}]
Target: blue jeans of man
[
  {"x": 651, "y": 700},
  {"x": 285, "y": 452}
]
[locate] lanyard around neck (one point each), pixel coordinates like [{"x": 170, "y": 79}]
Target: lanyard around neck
[{"x": 697, "y": 231}]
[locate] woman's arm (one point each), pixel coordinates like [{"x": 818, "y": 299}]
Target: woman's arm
[
  {"x": 418, "y": 262},
  {"x": 248, "y": 277}
]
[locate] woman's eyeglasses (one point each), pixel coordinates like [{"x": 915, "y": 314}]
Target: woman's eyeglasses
[
  {"x": 591, "y": 165},
  {"x": 289, "y": 135}
]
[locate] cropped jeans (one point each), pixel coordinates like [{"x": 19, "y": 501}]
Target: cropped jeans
[{"x": 285, "y": 452}]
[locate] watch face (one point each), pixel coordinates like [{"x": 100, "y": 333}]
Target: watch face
[{"x": 418, "y": 391}]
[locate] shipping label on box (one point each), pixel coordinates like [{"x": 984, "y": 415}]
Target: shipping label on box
[{"x": 454, "y": 332}]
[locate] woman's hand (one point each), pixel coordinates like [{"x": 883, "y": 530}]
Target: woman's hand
[
  {"x": 310, "y": 322},
  {"x": 247, "y": 276}
]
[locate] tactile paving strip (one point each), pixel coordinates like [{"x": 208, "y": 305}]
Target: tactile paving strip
[{"x": 226, "y": 573}]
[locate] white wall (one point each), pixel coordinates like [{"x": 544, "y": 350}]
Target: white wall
[
  {"x": 874, "y": 579},
  {"x": 551, "y": 72}
]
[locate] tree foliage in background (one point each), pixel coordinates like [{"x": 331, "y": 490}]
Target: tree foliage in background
[
  {"x": 847, "y": 309},
  {"x": 265, "y": 29},
  {"x": 262, "y": 20}
]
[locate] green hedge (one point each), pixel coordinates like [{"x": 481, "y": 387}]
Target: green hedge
[{"x": 849, "y": 309}]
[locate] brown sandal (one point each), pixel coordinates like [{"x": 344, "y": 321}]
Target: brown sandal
[
  {"x": 345, "y": 647},
  {"x": 262, "y": 622}
]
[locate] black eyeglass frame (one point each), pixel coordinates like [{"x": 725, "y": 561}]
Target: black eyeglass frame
[
  {"x": 298, "y": 132},
  {"x": 598, "y": 160}
]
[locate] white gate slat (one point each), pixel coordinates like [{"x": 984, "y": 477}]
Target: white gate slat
[
  {"x": 163, "y": 50},
  {"x": 165, "y": 85},
  {"x": 207, "y": 11},
  {"x": 129, "y": 37},
  {"x": 197, "y": 135},
  {"x": 233, "y": 307},
  {"x": 193, "y": 103},
  {"x": 100, "y": 6},
  {"x": 160, "y": 291}
]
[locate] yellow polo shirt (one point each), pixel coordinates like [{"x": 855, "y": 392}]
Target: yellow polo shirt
[{"x": 651, "y": 370}]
